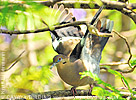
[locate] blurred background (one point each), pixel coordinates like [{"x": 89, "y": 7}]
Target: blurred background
[{"x": 32, "y": 72}]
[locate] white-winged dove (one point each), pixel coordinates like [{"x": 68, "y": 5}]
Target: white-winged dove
[{"x": 85, "y": 56}]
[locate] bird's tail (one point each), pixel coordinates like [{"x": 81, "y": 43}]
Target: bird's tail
[
  {"x": 104, "y": 26},
  {"x": 92, "y": 45}
]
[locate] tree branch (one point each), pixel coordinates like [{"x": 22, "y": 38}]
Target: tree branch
[
  {"x": 53, "y": 28},
  {"x": 86, "y": 4},
  {"x": 126, "y": 71},
  {"x": 44, "y": 29},
  {"x": 120, "y": 6},
  {"x": 123, "y": 71},
  {"x": 66, "y": 94},
  {"x": 59, "y": 93}
]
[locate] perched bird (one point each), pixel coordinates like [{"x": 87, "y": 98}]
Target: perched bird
[{"x": 85, "y": 56}]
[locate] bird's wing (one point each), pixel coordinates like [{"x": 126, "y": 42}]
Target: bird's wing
[
  {"x": 65, "y": 39},
  {"x": 76, "y": 53}
]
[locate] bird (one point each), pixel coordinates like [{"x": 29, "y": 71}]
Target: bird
[{"x": 84, "y": 56}]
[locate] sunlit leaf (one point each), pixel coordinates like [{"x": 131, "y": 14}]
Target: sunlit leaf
[
  {"x": 77, "y": 5},
  {"x": 99, "y": 2},
  {"x": 11, "y": 22},
  {"x": 133, "y": 62},
  {"x": 121, "y": 76},
  {"x": 99, "y": 81},
  {"x": 103, "y": 94},
  {"x": 21, "y": 22}
]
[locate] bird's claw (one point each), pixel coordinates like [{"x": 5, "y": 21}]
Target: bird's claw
[
  {"x": 90, "y": 90},
  {"x": 73, "y": 90}
]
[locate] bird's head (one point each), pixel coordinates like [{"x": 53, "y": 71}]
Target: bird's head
[{"x": 59, "y": 59}]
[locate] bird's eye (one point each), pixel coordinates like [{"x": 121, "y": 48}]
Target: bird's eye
[{"x": 59, "y": 59}]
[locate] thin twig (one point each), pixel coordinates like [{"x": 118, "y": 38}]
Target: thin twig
[
  {"x": 126, "y": 71},
  {"x": 16, "y": 60},
  {"x": 113, "y": 64},
  {"x": 123, "y": 81},
  {"x": 129, "y": 50},
  {"x": 123, "y": 71},
  {"x": 120, "y": 63}
]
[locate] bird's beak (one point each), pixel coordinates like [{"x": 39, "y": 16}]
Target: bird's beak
[{"x": 54, "y": 64}]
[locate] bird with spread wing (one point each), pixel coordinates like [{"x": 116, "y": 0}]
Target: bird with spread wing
[{"x": 78, "y": 51}]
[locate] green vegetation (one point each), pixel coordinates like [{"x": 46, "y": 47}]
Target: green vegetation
[{"x": 32, "y": 73}]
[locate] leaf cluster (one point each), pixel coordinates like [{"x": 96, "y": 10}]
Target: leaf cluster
[{"x": 103, "y": 93}]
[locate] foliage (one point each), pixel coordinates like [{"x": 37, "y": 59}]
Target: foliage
[
  {"x": 27, "y": 16},
  {"x": 28, "y": 77},
  {"x": 133, "y": 62},
  {"x": 33, "y": 78},
  {"x": 24, "y": 16},
  {"x": 102, "y": 93}
]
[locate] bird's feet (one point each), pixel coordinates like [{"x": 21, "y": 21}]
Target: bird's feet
[
  {"x": 90, "y": 90},
  {"x": 73, "y": 91}
]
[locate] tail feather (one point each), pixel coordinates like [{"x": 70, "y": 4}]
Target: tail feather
[
  {"x": 104, "y": 26},
  {"x": 92, "y": 49},
  {"x": 107, "y": 27},
  {"x": 93, "y": 45}
]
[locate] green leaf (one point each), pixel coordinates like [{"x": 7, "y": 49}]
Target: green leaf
[
  {"x": 77, "y": 5},
  {"x": 102, "y": 94},
  {"x": 11, "y": 22},
  {"x": 99, "y": 81},
  {"x": 99, "y": 91},
  {"x": 121, "y": 76},
  {"x": 30, "y": 21},
  {"x": 116, "y": 73},
  {"x": 99, "y": 2},
  {"x": 86, "y": 73},
  {"x": 21, "y": 21},
  {"x": 133, "y": 62}
]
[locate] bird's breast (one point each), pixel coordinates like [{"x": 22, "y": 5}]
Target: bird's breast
[{"x": 69, "y": 73}]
